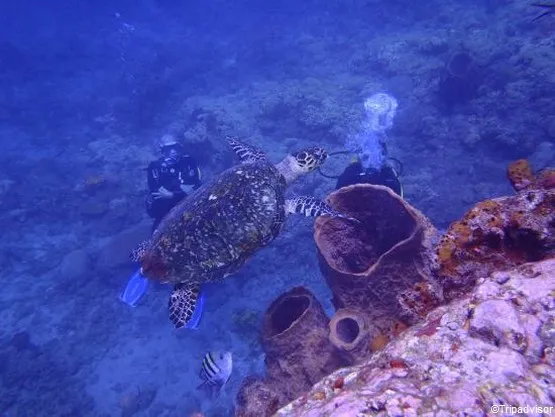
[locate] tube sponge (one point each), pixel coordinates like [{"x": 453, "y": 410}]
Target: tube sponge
[{"x": 349, "y": 333}]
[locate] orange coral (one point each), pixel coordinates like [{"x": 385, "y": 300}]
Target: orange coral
[
  {"x": 520, "y": 174},
  {"x": 546, "y": 179},
  {"x": 398, "y": 327},
  {"x": 378, "y": 342},
  {"x": 420, "y": 299},
  {"x": 501, "y": 232},
  {"x": 319, "y": 396}
]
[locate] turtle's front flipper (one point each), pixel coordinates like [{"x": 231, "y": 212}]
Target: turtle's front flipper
[
  {"x": 186, "y": 305},
  {"x": 246, "y": 153},
  {"x": 311, "y": 207}
]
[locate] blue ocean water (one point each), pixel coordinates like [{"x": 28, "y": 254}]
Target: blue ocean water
[{"x": 87, "y": 89}]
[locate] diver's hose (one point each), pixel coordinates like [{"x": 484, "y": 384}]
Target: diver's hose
[
  {"x": 398, "y": 169},
  {"x": 333, "y": 177}
]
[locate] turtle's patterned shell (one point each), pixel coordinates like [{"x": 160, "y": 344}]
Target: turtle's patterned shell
[{"x": 213, "y": 231}]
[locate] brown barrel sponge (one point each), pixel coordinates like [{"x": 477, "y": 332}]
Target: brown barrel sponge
[
  {"x": 368, "y": 265},
  {"x": 295, "y": 340}
]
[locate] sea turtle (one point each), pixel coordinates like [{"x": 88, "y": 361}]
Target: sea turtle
[{"x": 211, "y": 233}]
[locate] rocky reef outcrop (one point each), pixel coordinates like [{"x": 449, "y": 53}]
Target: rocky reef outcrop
[
  {"x": 500, "y": 233},
  {"x": 493, "y": 348}
]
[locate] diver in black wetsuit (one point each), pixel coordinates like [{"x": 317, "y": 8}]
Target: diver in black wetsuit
[
  {"x": 355, "y": 173},
  {"x": 386, "y": 174},
  {"x": 170, "y": 179}
]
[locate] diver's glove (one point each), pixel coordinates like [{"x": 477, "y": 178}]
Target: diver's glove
[{"x": 162, "y": 193}]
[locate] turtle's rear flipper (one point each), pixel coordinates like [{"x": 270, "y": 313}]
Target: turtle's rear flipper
[
  {"x": 245, "y": 152},
  {"x": 186, "y": 306},
  {"x": 311, "y": 207}
]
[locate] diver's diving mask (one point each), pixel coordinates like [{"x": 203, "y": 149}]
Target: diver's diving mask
[{"x": 171, "y": 153}]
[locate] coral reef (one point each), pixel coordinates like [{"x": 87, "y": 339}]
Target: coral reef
[
  {"x": 522, "y": 177},
  {"x": 135, "y": 400},
  {"x": 294, "y": 337},
  {"x": 256, "y": 398},
  {"x": 38, "y": 369},
  {"x": 493, "y": 347},
  {"x": 460, "y": 79},
  {"x": 75, "y": 264},
  {"x": 114, "y": 252},
  {"x": 501, "y": 232},
  {"x": 371, "y": 267}
]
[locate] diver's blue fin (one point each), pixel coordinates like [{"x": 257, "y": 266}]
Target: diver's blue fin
[
  {"x": 186, "y": 305},
  {"x": 198, "y": 312},
  {"x": 136, "y": 287}
]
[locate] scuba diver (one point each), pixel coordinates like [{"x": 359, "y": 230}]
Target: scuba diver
[
  {"x": 387, "y": 174},
  {"x": 170, "y": 179},
  {"x": 372, "y": 164}
]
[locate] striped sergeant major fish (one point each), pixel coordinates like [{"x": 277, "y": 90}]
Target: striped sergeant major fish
[{"x": 216, "y": 370}]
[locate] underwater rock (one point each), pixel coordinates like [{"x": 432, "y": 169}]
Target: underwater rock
[
  {"x": 119, "y": 208},
  {"x": 256, "y": 398},
  {"x": 5, "y": 185},
  {"x": 295, "y": 340},
  {"x": 93, "y": 208},
  {"x": 522, "y": 177},
  {"x": 500, "y": 233},
  {"x": 135, "y": 400},
  {"x": 22, "y": 341},
  {"x": 75, "y": 265},
  {"x": 465, "y": 358},
  {"x": 520, "y": 174},
  {"x": 374, "y": 266},
  {"x": 35, "y": 380},
  {"x": 115, "y": 252},
  {"x": 460, "y": 80}
]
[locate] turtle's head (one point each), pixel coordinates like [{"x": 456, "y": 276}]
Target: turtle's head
[
  {"x": 311, "y": 158},
  {"x": 301, "y": 162}
]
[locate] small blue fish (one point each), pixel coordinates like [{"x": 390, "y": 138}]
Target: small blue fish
[{"x": 216, "y": 370}]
